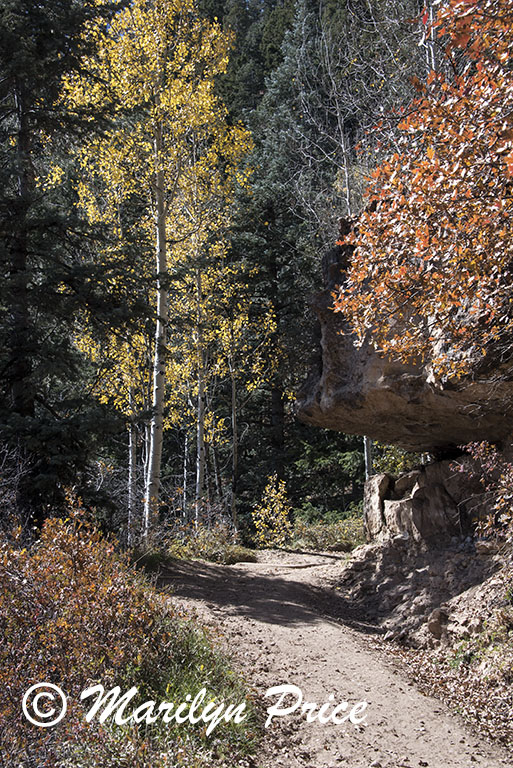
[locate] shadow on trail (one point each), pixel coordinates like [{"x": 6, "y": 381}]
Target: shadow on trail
[
  {"x": 266, "y": 598},
  {"x": 325, "y": 555}
]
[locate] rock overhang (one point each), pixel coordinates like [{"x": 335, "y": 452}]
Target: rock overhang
[{"x": 358, "y": 391}]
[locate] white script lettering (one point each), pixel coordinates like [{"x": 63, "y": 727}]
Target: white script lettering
[{"x": 309, "y": 707}]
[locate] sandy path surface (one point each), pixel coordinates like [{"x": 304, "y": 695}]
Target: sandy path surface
[{"x": 283, "y": 624}]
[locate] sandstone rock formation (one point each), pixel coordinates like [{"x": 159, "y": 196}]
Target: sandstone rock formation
[
  {"x": 421, "y": 557},
  {"x": 430, "y": 504},
  {"x": 355, "y": 390}
]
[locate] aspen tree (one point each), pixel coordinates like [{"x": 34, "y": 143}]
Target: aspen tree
[{"x": 157, "y": 63}]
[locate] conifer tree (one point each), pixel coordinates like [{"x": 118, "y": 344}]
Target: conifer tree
[{"x": 45, "y": 251}]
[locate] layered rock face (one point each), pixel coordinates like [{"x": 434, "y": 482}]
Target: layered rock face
[{"x": 355, "y": 390}]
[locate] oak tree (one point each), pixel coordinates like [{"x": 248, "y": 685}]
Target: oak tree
[{"x": 431, "y": 275}]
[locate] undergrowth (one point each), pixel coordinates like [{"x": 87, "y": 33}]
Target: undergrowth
[
  {"x": 75, "y": 613},
  {"x": 341, "y": 536},
  {"x": 217, "y": 542}
]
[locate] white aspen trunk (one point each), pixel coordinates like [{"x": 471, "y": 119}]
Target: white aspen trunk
[
  {"x": 431, "y": 41},
  {"x": 217, "y": 473},
  {"x": 367, "y": 450},
  {"x": 213, "y": 483},
  {"x": 132, "y": 486},
  {"x": 209, "y": 486},
  {"x": 185, "y": 463},
  {"x": 152, "y": 490},
  {"x": 132, "y": 477},
  {"x": 428, "y": 39},
  {"x": 347, "y": 187},
  {"x": 200, "y": 423},
  {"x": 145, "y": 453},
  {"x": 200, "y": 444},
  {"x": 235, "y": 449}
]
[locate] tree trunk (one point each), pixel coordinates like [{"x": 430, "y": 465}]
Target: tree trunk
[
  {"x": 132, "y": 533},
  {"x": 217, "y": 474},
  {"x": 430, "y": 40},
  {"x": 185, "y": 478},
  {"x": 200, "y": 446},
  {"x": 200, "y": 417},
  {"x": 367, "y": 450},
  {"x": 132, "y": 485},
  {"x": 209, "y": 487},
  {"x": 235, "y": 451},
  {"x": 152, "y": 490},
  {"x": 277, "y": 430}
]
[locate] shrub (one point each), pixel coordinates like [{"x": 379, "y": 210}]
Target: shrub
[
  {"x": 75, "y": 613},
  {"x": 394, "y": 460},
  {"x": 310, "y": 514},
  {"x": 217, "y": 542},
  {"x": 342, "y": 536},
  {"x": 150, "y": 560},
  {"x": 272, "y": 516},
  {"x": 497, "y": 479}
]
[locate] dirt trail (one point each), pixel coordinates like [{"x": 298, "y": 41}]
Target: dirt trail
[{"x": 284, "y": 624}]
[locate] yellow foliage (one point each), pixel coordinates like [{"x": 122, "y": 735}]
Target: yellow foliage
[
  {"x": 124, "y": 375},
  {"x": 272, "y": 516},
  {"x": 159, "y": 60}
]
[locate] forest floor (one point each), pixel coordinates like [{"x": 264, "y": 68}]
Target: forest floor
[{"x": 283, "y": 622}]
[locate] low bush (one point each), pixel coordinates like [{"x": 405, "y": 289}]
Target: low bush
[
  {"x": 272, "y": 517},
  {"x": 75, "y": 613},
  {"x": 342, "y": 536},
  {"x": 496, "y": 476},
  {"x": 217, "y": 542},
  {"x": 394, "y": 460},
  {"x": 310, "y": 514},
  {"x": 151, "y": 560}
]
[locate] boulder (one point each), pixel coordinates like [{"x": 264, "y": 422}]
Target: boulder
[
  {"x": 355, "y": 390},
  {"x": 375, "y": 491},
  {"x": 398, "y": 516},
  {"x": 434, "y": 513},
  {"x": 431, "y": 504},
  {"x": 436, "y": 623},
  {"x": 405, "y": 483}
]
